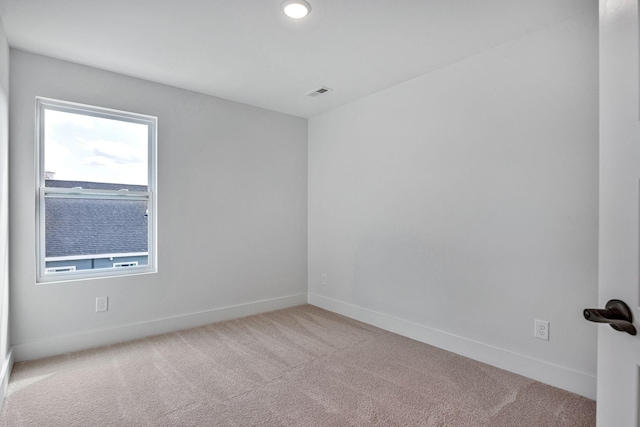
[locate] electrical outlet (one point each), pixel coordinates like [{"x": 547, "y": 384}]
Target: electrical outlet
[
  {"x": 541, "y": 330},
  {"x": 102, "y": 304},
  {"x": 324, "y": 279}
]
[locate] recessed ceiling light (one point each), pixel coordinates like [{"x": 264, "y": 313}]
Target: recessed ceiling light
[{"x": 296, "y": 9}]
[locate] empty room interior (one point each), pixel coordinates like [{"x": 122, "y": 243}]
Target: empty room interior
[{"x": 380, "y": 213}]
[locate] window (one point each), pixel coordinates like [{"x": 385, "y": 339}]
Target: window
[
  {"x": 60, "y": 269},
  {"x": 96, "y": 192},
  {"x": 125, "y": 264}
]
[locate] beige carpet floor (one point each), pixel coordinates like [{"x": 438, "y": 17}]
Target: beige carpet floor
[{"x": 301, "y": 366}]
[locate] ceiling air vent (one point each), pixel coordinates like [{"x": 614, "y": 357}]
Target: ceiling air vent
[{"x": 317, "y": 92}]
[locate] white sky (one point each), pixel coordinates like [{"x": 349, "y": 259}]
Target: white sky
[{"x": 85, "y": 148}]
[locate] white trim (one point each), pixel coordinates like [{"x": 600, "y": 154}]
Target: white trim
[
  {"x": 95, "y": 256},
  {"x": 94, "y": 111},
  {"x": 5, "y": 374},
  {"x": 75, "y": 193},
  {"x": 99, "y": 273},
  {"x": 576, "y": 382},
  {"x": 65, "y": 344}
]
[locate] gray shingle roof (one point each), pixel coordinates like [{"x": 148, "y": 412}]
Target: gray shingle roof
[{"x": 94, "y": 226}]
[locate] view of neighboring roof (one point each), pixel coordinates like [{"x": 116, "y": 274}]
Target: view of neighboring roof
[{"x": 77, "y": 226}]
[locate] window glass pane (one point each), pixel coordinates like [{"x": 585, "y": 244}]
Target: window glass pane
[
  {"x": 86, "y": 151},
  {"x": 89, "y": 233}
]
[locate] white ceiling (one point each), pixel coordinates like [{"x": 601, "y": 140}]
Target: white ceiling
[{"x": 248, "y": 51}]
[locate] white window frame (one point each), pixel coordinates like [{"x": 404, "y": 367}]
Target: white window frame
[{"x": 42, "y": 192}]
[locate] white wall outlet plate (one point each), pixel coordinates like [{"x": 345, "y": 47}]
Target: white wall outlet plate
[
  {"x": 102, "y": 304},
  {"x": 541, "y": 329}
]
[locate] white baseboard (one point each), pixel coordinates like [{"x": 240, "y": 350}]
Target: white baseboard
[
  {"x": 70, "y": 343},
  {"x": 557, "y": 376},
  {"x": 5, "y": 373}
]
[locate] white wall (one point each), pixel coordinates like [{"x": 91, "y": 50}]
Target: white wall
[
  {"x": 5, "y": 355},
  {"x": 459, "y": 206},
  {"x": 232, "y": 213}
]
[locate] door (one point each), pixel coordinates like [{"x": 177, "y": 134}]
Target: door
[{"x": 619, "y": 247}]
